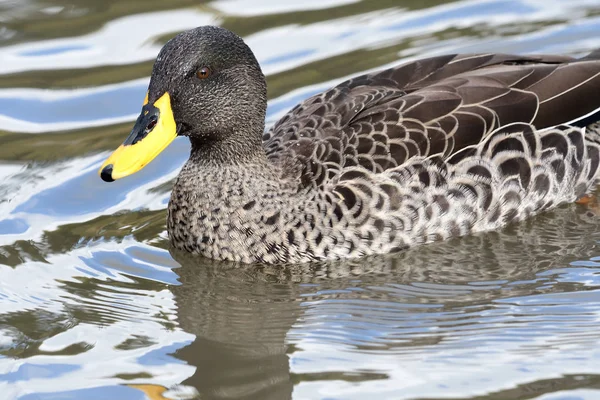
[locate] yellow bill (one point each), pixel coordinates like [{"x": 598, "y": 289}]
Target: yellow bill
[{"x": 153, "y": 131}]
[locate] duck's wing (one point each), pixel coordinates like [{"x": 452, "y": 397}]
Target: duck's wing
[{"x": 435, "y": 106}]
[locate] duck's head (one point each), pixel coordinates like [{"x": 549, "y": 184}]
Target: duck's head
[{"x": 206, "y": 84}]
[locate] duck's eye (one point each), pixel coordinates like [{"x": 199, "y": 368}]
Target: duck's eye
[{"x": 203, "y": 73}]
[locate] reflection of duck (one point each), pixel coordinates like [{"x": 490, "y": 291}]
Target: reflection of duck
[
  {"x": 240, "y": 320},
  {"x": 432, "y": 149}
]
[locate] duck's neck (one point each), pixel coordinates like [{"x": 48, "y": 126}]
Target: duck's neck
[
  {"x": 217, "y": 168},
  {"x": 236, "y": 149},
  {"x": 220, "y": 193}
]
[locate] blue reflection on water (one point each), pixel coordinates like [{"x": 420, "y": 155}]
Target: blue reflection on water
[
  {"x": 13, "y": 226},
  {"x": 288, "y": 56},
  {"x": 495, "y": 8},
  {"x": 115, "y": 102},
  {"x": 35, "y": 371},
  {"x": 52, "y": 50},
  {"x": 98, "y": 393}
]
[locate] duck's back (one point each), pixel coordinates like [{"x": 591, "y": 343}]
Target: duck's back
[
  {"x": 435, "y": 106},
  {"x": 445, "y": 146}
]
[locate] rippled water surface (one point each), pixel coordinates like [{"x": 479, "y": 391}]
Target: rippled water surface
[{"x": 93, "y": 305}]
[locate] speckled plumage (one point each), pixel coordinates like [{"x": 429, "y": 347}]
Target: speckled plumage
[{"x": 426, "y": 151}]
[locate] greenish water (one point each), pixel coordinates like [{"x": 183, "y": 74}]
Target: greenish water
[{"x": 93, "y": 305}]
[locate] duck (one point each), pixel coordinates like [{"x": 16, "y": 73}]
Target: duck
[{"x": 425, "y": 151}]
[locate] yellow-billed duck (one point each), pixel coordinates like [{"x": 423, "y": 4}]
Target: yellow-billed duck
[{"x": 425, "y": 151}]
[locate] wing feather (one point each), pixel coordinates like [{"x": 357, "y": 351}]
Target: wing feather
[{"x": 431, "y": 107}]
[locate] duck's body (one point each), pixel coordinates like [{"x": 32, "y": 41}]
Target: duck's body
[{"x": 430, "y": 150}]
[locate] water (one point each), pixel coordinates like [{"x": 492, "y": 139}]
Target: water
[{"x": 94, "y": 306}]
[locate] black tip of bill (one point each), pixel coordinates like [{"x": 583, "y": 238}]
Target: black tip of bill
[{"x": 106, "y": 173}]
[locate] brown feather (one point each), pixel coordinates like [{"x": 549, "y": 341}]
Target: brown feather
[{"x": 438, "y": 105}]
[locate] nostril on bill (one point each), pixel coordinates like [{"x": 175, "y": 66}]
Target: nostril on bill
[{"x": 152, "y": 123}]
